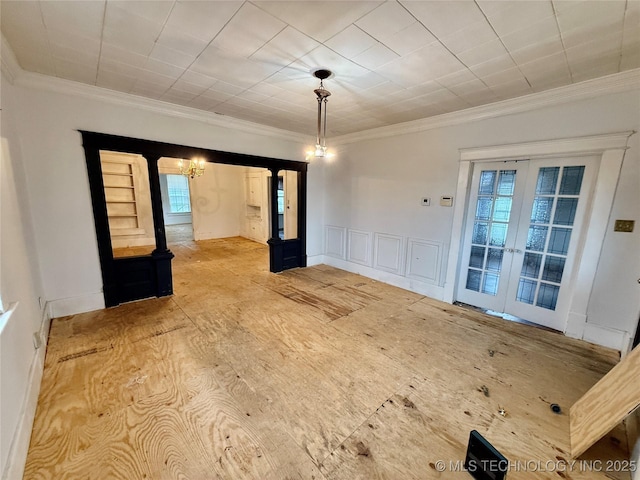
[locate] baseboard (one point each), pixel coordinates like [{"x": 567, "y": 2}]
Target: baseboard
[
  {"x": 433, "y": 291},
  {"x": 22, "y": 436},
  {"x": 73, "y": 305},
  {"x": 315, "y": 260},
  {"x": 605, "y": 336}
]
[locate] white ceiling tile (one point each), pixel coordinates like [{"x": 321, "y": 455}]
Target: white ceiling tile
[
  {"x": 482, "y": 53},
  {"x": 197, "y": 79},
  {"x": 512, "y": 89},
  {"x": 113, "y": 53},
  {"x": 630, "y": 61},
  {"x": 350, "y": 42},
  {"x": 149, "y": 89},
  {"x": 510, "y": 75},
  {"x": 600, "y": 69},
  {"x": 120, "y": 68},
  {"x": 84, "y": 18},
  {"x": 468, "y": 88},
  {"x": 88, "y": 58},
  {"x": 412, "y": 38},
  {"x": 469, "y": 37},
  {"x": 155, "y": 11},
  {"x": 115, "y": 81},
  {"x": 203, "y": 103},
  {"x": 318, "y": 20},
  {"x": 75, "y": 71},
  {"x": 248, "y": 30},
  {"x": 497, "y": 64},
  {"x": 69, "y": 39},
  {"x": 188, "y": 87},
  {"x": 480, "y": 97},
  {"x": 239, "y": 71},
  {"x": 552, "y": 65},
  {"x": 128, "y": 31},
  {"x": 285, "y": 47},
  {"x": 540, "y": 31},
  {"x": 549, "y": 83},
  {"x": 201, "y": 20},
  {"x": 163, "y": 68},
  {"x": 325, "y": 57},
  {"x": 266, "y": 89},
  {"x": 584, "y": 15},
  {"x": 225, "y": 87},
  {"x": 216, "y": 96},
  {"x": 509, "y": 17},
  {"x": 386, "y": 20},
  {"x": 444, "y": 18},
  {"x": 543, "y": 48},
  {"x": 375, "y": 56},
  {"x": 155, "y": 78},
  {"x": 181, "y": 41},
  {"x": 170, "y": 56},
  {"x": 593, "y": 50},
  {"x": 456, "y": 78},
  {"x": 173, "y": 94}
]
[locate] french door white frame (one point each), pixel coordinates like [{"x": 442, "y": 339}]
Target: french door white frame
[{"x": 609, "y": 150}]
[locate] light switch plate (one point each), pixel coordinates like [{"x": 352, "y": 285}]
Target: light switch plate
[
  {"x": 446, "y": 201},
  {"x": 624, "y": 226}
]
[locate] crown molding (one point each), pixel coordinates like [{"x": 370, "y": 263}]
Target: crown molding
[
  {"x": 9, "y": 63},
  {"x": 593, "y": 144},
  {"x": 38, "y": 81},
  {"x": 616, "y": 83},
  {"x": 22, "y": 78}
]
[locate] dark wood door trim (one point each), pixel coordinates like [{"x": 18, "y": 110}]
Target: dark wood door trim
[{"x": 93, "y": 142}]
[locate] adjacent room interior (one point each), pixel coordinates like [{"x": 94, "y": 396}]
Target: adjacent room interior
[{"x": 320, "y": 240}]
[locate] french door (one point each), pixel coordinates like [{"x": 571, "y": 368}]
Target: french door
[{"x": 522, "y": 237}]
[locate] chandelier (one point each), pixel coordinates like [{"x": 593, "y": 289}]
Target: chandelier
[
  {"x": 194, "y": 168},
  {"x": 323, "y": 95}
]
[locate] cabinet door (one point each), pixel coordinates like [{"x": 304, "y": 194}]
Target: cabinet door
[{"x": 254, "y": 190}]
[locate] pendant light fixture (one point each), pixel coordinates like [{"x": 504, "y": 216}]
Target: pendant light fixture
[{"x": 322, "y": 95}]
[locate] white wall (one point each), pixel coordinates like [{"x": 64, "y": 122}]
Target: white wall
[
  {"x": 375, "y": 186},
  {"x": 59, "y": 191},
  {"x": 216, "y": 201},
  {"x": 20, "y": 287}
]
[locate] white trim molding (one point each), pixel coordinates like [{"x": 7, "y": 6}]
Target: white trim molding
[
  {"x": 9, "y": 63},
  {"x": 22, "y": 78},
  {"x": 611, "y": 149},
  {"x": 357, "y": 251},
  {"x": 615, "y": 83},
  {"x": 337, "y": 235},
  {"x": 591, "y": 145}
]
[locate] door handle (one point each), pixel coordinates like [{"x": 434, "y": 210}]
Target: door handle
[{"x": 512, "y": 250}]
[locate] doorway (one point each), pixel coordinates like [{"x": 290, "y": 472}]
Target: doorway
[
  {"x": 149, "y": 274},
  {"x": 523, "y": 235},
  {"x": 176, "y": 202}
]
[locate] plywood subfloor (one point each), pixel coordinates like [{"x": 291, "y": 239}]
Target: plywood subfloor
[{"x": 314, "y": 373}]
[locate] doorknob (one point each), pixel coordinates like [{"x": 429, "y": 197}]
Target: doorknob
[
  {"x": 510, "y": 250},
  {"x": 517, "y": 251}
]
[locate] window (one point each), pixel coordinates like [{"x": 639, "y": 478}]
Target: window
[{"x": 179, "y": 201}]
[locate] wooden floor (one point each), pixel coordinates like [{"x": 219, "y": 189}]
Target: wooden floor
[{"x": 314, "y": 373}]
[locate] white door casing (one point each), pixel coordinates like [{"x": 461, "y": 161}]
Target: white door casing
[{"x": 608, "y": 151}]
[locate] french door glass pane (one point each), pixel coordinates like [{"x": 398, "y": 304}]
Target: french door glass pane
[
  {"x": 492, "y": 214},
  {"x": 547, "y": 181},
  {"x": 571, "y": 180},
  {"x": 547, "y": 245}
]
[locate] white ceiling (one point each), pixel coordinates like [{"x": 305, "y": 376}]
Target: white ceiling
[{"x": 394, "y": 61}]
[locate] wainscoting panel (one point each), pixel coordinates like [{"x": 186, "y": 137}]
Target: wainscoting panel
[
  {"x": 388, "y": 253},
  {"x": 359, "y": 247},
  {"x": 335, "y": 241},
  {"x": 423, "y": 260}
]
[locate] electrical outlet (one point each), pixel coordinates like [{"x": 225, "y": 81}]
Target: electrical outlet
[
  {"x": 624, "y": 226},
  {"x": 425, "y": 202}
]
